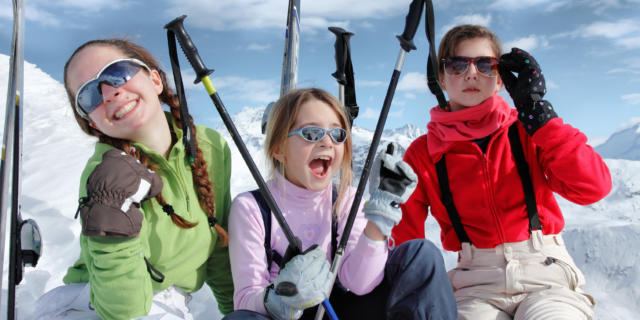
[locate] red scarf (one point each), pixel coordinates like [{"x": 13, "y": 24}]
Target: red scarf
[{"x": 468, "y": 124}]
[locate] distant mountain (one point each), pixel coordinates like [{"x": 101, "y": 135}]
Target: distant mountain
[{"x": 623, "y": 144}]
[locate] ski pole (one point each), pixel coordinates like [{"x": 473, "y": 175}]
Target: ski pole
[
  {"x": 406, "y": 44},
  {"x": 344, "y": 73},
  {"x": 202, "y": 74}
]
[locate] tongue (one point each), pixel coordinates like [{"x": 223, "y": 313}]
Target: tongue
[{"x": 317, "y": 167}]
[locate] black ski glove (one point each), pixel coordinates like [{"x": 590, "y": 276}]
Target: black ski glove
[
  {"x": 115, "y": 189},
  {"x": 527, "y": 89}
]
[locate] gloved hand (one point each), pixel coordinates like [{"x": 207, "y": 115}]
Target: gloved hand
[
  {"x": 391, "y": 183},
  {"x": 302, "y": 283},
  {"x": 115, "y": 189},
  {"x": 527, "y": 89}
]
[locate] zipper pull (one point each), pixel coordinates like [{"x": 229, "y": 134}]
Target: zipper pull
[{"x": 81, "y": 203}]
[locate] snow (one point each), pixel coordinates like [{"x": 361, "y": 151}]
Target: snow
[{"x": 602, "y": 237}]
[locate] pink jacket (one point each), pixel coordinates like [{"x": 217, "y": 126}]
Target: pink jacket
[{"x": 308, "y": 214}]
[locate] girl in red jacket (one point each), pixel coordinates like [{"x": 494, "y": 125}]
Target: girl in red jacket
[{"x": 487, "y": 172}]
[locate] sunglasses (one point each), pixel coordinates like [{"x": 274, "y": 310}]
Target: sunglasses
[
  {"x": 315, "y": 134},
  {"x": 115, "y": 74},
  {"x": 487, "y": 66}
]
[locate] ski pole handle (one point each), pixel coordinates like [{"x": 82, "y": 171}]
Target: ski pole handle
[
  {"x": 202, "y": 73},
  {"x": 411, "y": 25},
  {"x": 341, "y": 46},
  {"x": 188, "y": 48}
]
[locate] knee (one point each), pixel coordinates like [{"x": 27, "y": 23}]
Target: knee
[{"x": 417, "y": 253}]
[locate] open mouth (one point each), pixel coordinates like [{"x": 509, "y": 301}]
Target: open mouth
[
  {"x": 320, "y": 166},
  {"x": 125, "y": 110}
]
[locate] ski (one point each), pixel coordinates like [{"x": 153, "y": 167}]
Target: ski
[
  {"x": 24, "y": 235},
  {"x": 289, "y": 79},
  {"x": 291, "y": 48}
]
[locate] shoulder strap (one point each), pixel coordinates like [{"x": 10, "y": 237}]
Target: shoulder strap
[
  {"x": 447, "y": 200},
  {"x": 273, "y": 255},
  {"x": 527, "y": 186},
  {"x": 334, "y": 221},
  {"x": 525, "y": 177}
]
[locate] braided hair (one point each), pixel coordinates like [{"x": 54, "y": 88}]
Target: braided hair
[{"x": 201, "y": 181}]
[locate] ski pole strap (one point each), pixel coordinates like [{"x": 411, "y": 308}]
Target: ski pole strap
[
  {"x": 432, "y": 62},
  {"x": 154, "y": 273},
  {"x": 187, "y": 137}
]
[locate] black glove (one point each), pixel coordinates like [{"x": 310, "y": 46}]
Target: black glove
[
  {"x": 115, "y": 189},
  {"x": 527, "y": 89}
]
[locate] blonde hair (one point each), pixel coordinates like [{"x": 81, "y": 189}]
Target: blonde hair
[
  {"x": 201, "y": 179},
  {"x": 282, "y": 119}
]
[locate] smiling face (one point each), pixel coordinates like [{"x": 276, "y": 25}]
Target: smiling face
[
  {"x": 470, "y": 88},
  {"x": 125, "y": 111},
  {"x": 311, "y": 165}
]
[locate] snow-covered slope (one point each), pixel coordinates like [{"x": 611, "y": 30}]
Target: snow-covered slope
[{"x": 603, "y": 237}]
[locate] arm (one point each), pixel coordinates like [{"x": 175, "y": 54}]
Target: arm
[
  {"x": 111, "y": 223},
  {"x": 247, "y": 253},
  {"x": 391, "y": 183},
  {"x": 415, "y": 210},
  {"x": 219, "y": 276},
  {"x": 574, "y": 169}
]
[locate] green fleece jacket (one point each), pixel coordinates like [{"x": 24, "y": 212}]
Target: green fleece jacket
[{"x": 121, "y": 286}]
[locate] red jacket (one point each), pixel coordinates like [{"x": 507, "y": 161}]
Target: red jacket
[{"x": 487, "y": 190}]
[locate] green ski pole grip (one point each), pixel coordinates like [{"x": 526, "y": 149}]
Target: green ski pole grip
[
  {"x": 189, "y": 49},
  {"x": 411, "y": 25}
]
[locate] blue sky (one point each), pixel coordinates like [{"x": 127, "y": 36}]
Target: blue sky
[{"x": 589, "y": 50}]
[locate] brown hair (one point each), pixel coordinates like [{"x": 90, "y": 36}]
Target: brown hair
[
  {"x": 203, "y": 185},
  {"x": 282, "y": 119},
  {"x": 462, "y": 32}
]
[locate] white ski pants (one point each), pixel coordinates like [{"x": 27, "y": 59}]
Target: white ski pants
[
  {"x": 532, "y": 279},
  {"x": 71, "y": 302}
]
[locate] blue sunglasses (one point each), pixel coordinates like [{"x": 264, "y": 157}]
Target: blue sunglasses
[
  {"x": 315, "y": 134},
  {"x": 115, "y": 74}
]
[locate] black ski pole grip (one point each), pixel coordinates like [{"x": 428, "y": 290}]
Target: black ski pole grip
[
  {"x": 189, "y": 49},
  {"x": 411, "y": 25},
  {"x": 341, "y": 46}
]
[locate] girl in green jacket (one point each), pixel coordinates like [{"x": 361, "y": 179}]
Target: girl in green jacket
[{"x": 153, "y": 214}]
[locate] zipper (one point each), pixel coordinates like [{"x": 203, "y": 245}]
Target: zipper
[{"x": 491, "y": 197}]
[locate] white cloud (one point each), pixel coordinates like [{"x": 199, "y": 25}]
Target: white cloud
[
  {"x": 413, "y": 81},
  {"x": 483, "y": 20},
  {"x": 255, "y": 90},
  {"x": 370, "y": 83},
  {"x": 409, "y": 96},
  {"x": 271, "y": 14},
  {"x": 399, "y": 113},
  {"x": 258, "y": 47},
  {"x": 529, "y": 43},
  {"x": 632, "y": 98},
  {"x": 611, "y": 30},
  {"x": 369, "y": 114},
  {"x": 518, "y": 4},
  {"x": 629, "y": 43}
]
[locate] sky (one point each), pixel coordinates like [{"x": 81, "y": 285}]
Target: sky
[
  {"x": 589, "y": 50},
  {"x": 591, "y": 232}
]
